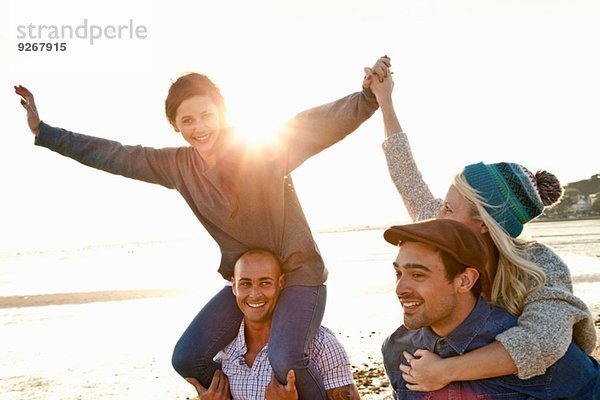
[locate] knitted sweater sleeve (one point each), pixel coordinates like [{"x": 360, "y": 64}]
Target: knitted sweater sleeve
[
  {"x": 136, "y": 162},
  {"x": 551, "y": 319},
  {"x": 418, "y": 199},
  {"x": 315, "y": 129}
]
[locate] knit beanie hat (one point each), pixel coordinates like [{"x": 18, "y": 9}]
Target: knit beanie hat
[{"x": 513, "y": 195}]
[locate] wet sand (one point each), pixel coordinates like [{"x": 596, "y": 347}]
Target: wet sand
[{"x": 60, "y": 299}]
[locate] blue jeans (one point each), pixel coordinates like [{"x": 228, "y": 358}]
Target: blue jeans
[
  {"x": 215, "y": 326},
  {"x": 298, "y": 315}
]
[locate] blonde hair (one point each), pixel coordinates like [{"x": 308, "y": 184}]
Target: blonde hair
[{"x": 516, "y": 276}]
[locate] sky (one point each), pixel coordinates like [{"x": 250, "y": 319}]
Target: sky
[{"x": 474, "y": 81}]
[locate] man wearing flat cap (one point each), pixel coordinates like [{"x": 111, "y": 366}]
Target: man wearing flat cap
[{"x": 438, "y": 283}]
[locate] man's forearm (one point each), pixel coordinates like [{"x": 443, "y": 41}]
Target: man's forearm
[{"x": 348, "y": 392}]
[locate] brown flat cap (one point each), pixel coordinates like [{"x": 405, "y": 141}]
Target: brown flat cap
[{"x": 451, "y": 236}]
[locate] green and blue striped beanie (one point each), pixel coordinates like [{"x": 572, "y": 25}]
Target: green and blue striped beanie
[{"x": 513, "y": 195}]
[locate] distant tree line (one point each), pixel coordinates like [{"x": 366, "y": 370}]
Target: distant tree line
[{"x": 580, "y": 199}]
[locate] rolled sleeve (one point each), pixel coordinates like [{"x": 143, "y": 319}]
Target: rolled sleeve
[{"x": 331, "y": 361}]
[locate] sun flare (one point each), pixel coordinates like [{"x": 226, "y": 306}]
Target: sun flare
[{"x": 257, "y": 130}]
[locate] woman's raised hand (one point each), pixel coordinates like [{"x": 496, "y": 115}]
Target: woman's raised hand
[
  {"x": 28, "y": 103},
  {"x": 380, "y": 70},
  {"x": 382, "y": 89}
]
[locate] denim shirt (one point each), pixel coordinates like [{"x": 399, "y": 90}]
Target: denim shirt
[{"x": 574, "y": 376}]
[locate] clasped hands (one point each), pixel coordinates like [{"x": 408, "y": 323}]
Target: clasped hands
[{"x": 378, "y": 79}]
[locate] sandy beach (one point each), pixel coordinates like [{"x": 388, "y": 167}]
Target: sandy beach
[{"x": 75, "y": 332}]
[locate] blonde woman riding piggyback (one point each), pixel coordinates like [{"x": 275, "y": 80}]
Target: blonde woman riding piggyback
[{"x": 525, "y": 277}]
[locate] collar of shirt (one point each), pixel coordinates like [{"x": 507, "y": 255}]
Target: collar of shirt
[
  {"x": 237, "y": 349},
  {"x": 458, "y": 341}
]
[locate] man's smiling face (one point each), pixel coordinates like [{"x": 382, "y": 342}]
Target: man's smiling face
[
  {"x": 427, "y": 296},
  {"x": 257, "y": 283}
]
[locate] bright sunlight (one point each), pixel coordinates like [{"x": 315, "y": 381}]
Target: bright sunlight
[{"x": 255, "y": 125}]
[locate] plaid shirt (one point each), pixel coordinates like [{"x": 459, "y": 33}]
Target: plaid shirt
[{"x": 325, "y": 352}]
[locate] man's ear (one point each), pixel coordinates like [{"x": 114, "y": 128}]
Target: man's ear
[
  {"x": 465, "y": 281},
  {"x": 282, "y": 281},
  {"x": 233, "y": 286}
]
